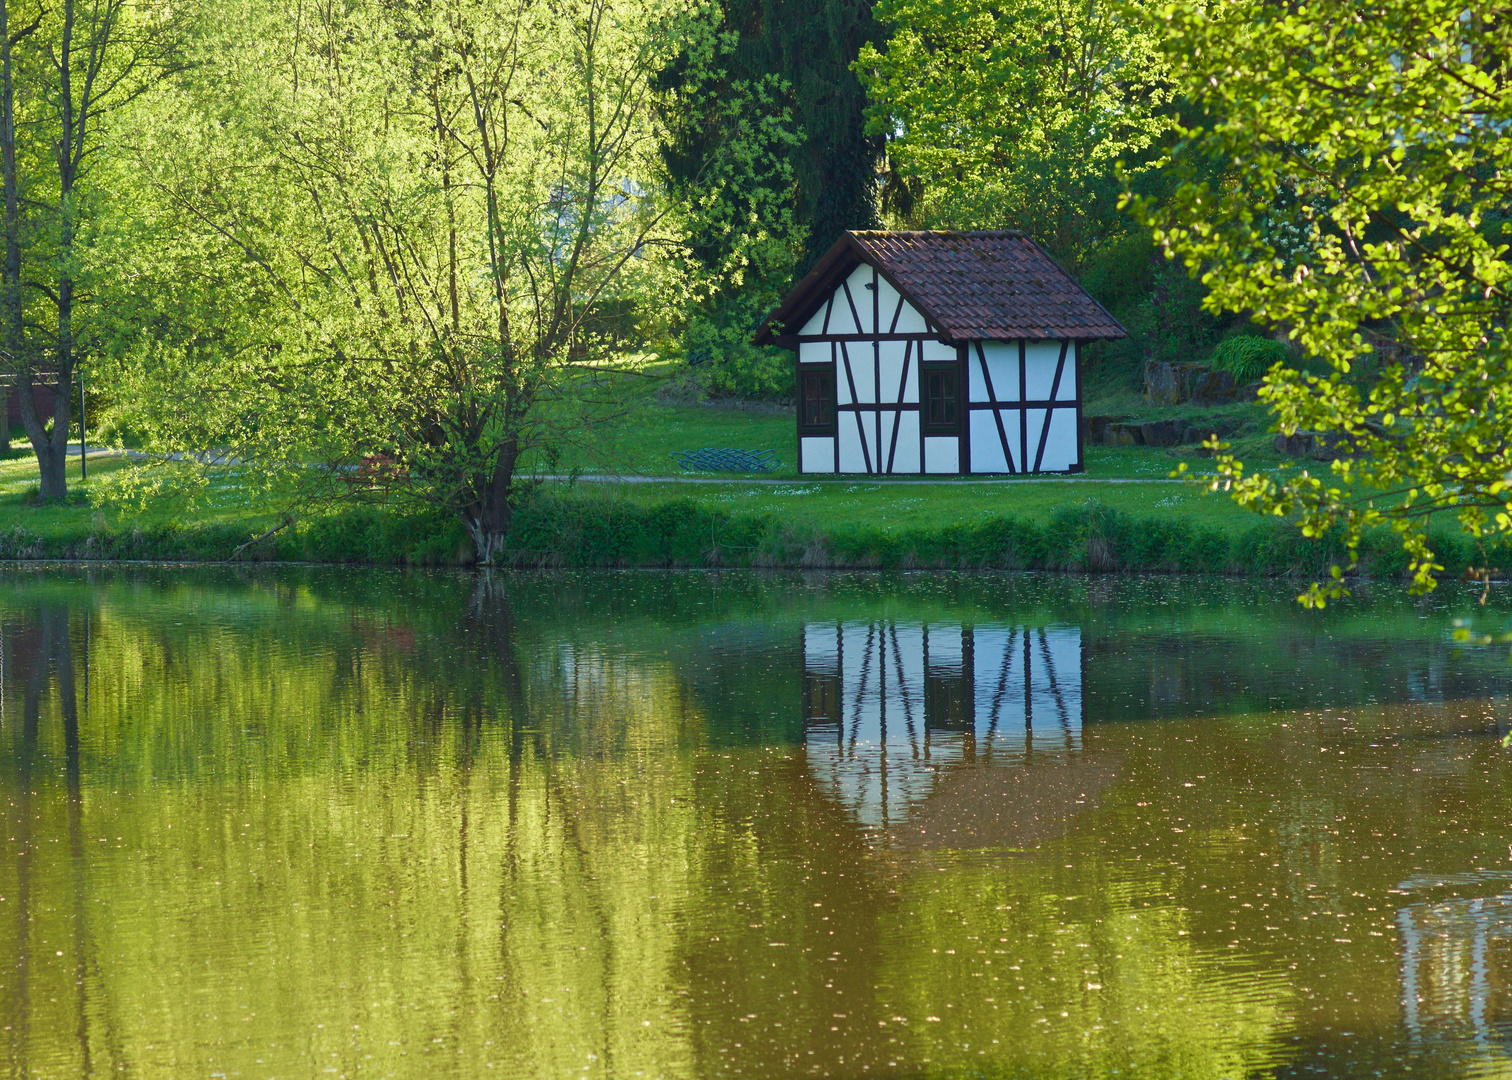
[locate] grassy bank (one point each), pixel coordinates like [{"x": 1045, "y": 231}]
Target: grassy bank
[
  {"x": 604, "y": 529},
  {"x": 1084, "y": 537},
  {"x": 1100, "y": 521}
]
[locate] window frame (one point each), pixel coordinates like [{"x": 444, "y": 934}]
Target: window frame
[
  {"x": 951, "y": 368},
  {"x": 826, "y": 372}
]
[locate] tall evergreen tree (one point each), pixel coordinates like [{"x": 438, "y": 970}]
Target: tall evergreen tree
[{"x": 807, "y": 48}]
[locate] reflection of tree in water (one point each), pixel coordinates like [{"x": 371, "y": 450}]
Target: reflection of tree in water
[
  {"x": 39, "y": 654},
  {"x": 527, "y": 832}
]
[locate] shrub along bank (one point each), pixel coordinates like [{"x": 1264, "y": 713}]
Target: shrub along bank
[{"x": 590, "y": 531}]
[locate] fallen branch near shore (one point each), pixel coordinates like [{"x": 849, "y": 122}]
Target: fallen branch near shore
[{"x": 280, "y": 527}]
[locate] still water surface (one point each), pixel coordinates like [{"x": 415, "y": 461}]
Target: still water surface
[{"x": 298, "y": 823}]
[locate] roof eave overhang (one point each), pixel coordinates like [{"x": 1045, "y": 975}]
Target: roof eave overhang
[
  {"x": 1031, "y": 334},
  {"x": 837, "y": 263},
  {"x": 808, "y": 294}
]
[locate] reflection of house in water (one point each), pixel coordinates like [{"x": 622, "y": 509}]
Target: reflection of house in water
[
  {"x": 1457, "y": 964},
  {"x": 887, "y": 705}
]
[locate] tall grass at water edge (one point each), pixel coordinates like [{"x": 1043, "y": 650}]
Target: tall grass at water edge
[
  {"x": 1087, "y": 537},
  {"x": 595, "y": 531}
]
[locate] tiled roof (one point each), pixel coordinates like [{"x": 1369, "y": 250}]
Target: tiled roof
[{"x": 989, "y": 285}]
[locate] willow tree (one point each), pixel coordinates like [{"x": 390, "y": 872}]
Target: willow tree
[
  {"x": 428, "y": 222},
  {"x": 1366, "y": 214}
]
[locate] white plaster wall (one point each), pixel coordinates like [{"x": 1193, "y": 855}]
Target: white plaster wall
[
  {"x": 1040, "y": 358},
  {"x": 842, "y": 320},
  {"x": 814, "y": 352},
  {"x": 892, "y": 355},
  {"x": 852, "y": 460},
  {"x": 987, "y": 445},
  {"x": 1002, "y": 366},
  {"x": 1060, "y": 443},
  {"x": 862, "y": 371},
  {"x": 818, "y": 454},
  {"x": 815, "y": 325},
  {"x": 887, "y": 304},
  {"x": 906, "y": 457},
  {"x": 842, "y": 385},
  {"x": 1034, "y": 420},
  {"x": 938, "y": 352},
  {"x": 942, "y": 454},
  {"x": 865, "y": 300},
  {"x": 910, "y": 320},
  {"x": 1069, "y": 390},
  {"x": 883, "y": 441}
]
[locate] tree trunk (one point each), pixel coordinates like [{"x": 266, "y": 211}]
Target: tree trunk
[
  {"x": 487, "y": 518},
  {"x": 11, "y": 327},
  {"x": 51, "y": 446}
]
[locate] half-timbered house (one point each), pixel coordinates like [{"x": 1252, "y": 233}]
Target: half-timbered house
[{"x": 939, "y": 353}]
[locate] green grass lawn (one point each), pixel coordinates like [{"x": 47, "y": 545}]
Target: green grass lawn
[
  {"x": 642, "y": 440},
  {"x": 830, "y": 504},
  {"x": 639, "y": 443},
  {"x": 223, "y": 502}
]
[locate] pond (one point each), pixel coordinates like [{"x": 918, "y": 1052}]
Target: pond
[{"x": 294, "y": 822}]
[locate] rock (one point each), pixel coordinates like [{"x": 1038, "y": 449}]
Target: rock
[
  {"x": 1213, "y": 388},
  {"x": 1124, "y": 435},
  {"x": 1167, "y": 383},
  {"x": 1200, "y": 431},
  {"x": 1298, "y": 445},
  {"x": 1095, "y": 428},
  {"x": 1249, "y": 391},
  {"x": 1320, "y": 446},
  {"x": 1163, "y": 433}
]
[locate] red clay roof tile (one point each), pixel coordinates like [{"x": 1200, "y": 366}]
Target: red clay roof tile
[{"x": 987, "y": 285}]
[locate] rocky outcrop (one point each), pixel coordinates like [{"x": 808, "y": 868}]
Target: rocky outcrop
[
  {"x": 1119, "y": 431},
  {"x": 1213, "y": 388},
  {"x": 1318, "y": 445},
  {"x": 1164, "y": 432},
  {"x": 1166, "y": 383},
  {"x": 1174, "y": 384},
  {"x": 1111, "y": 431}
]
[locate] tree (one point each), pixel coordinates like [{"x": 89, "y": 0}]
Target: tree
[
  {"x": 439, "y": 221},
  {"x": 81, "y": 64},
  {"x": 804, "y": 52},
  {"x": 792, "y": 61},
  {"x": 1368, "y": 218},
  {"x": 1015, "y": 116}
]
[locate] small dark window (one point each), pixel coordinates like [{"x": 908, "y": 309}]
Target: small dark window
[
  {"x": 942, "y": 396},
  {"x": 816, "y": 402},
  {"x": 821, "y": 697}
]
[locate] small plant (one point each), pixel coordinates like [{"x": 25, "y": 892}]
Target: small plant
[{"x": 1248, "y": 358}]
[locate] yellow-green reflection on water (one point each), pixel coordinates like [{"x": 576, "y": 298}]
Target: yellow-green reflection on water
[{"x": 302, "y": 823}]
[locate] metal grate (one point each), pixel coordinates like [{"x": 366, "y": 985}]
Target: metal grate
[{"x": 710, "y": 459}]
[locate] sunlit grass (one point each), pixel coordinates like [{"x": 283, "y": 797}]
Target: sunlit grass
[{"x": 835, "y": 504}]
